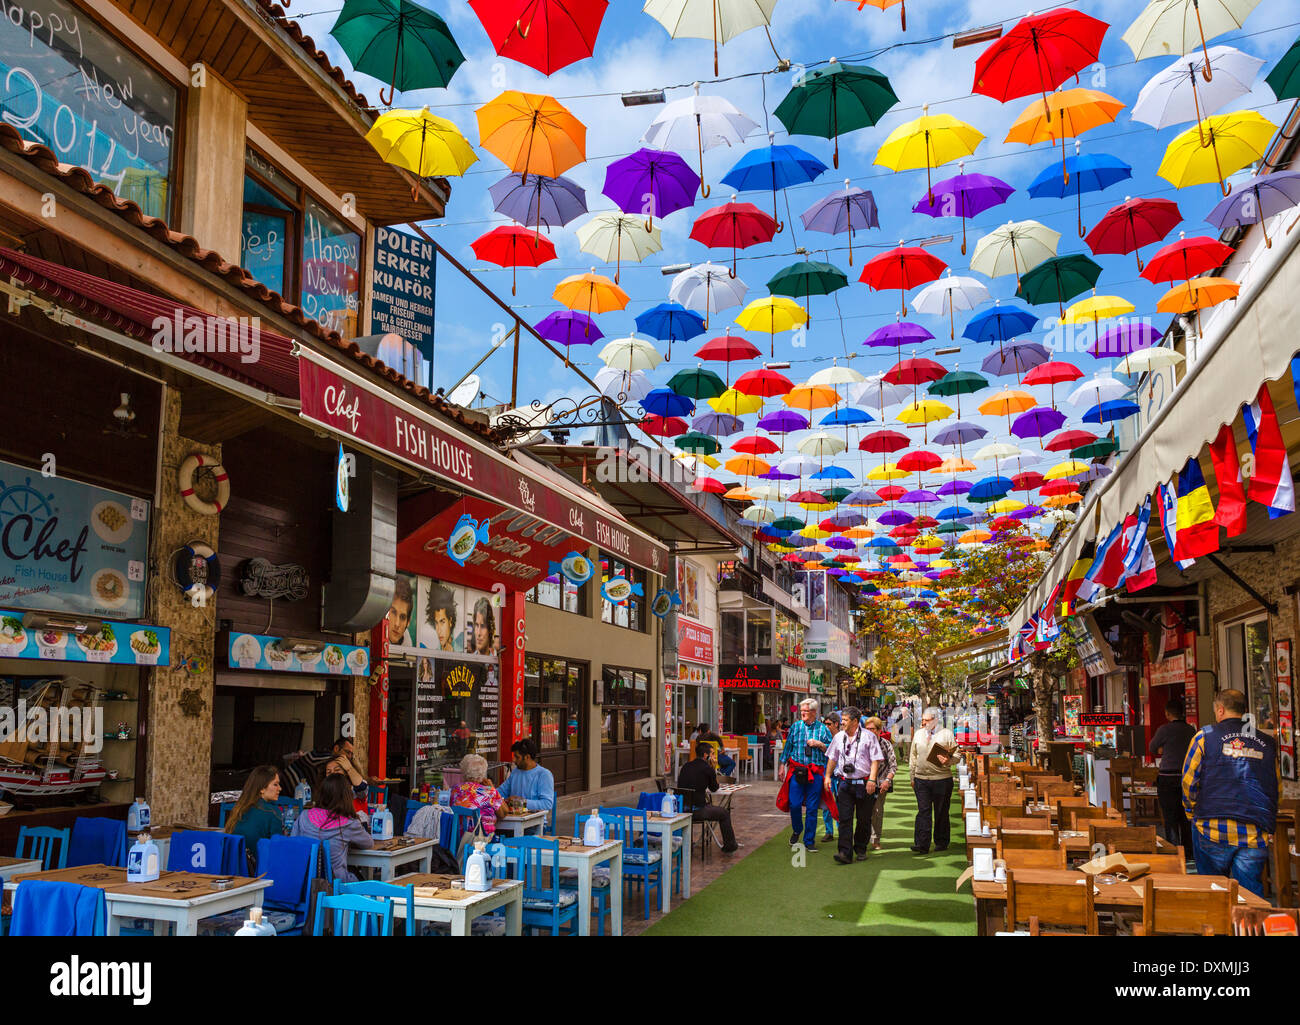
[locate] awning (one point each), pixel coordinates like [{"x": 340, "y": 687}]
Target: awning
[
  {"x": 1245, "y": 346},
  {"x": 359, "y": 412}
]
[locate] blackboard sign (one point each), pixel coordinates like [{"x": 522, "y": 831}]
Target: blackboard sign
[{"x": 402, "y": 288}]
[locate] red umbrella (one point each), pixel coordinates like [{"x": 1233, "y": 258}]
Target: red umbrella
[
  {"x": 738, "y": 225},
  {"x": 1067, "y": 440},
  {"x": 1027, "y": 481},
  {"x": 902, "y": 268},
  {"x": 1133, "y": 224},
  {"x": 1053, "y": 372},
  {"x": 891, "y": 492},
  {"x": 923, "y": 522},
  {"x": 884, "y": 441},
  {"x": 914, "y": 371},
  {"x": 664, "y": 426},
  {"x": 792, "y": 557},
  {"x": 810, "y": 497},
  {"x": 1038, "y": 54},
  {"x": 1005, "y": 523},
  {"x": 1058, "y": 487},
  {"x": 544, "y": 34},
  {"x": 513, "y": 247},
  {"x": 709, "y": 485},
  {"x": 1186, "y": 259},
  {"x": 763, "y": 382},
  {"x": 919, "y": 460},
  {"x": 727, "y": 349},
  {"x": 756, "y": 445}
]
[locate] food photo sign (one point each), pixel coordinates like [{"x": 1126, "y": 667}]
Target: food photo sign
[
  {"x": 71, "y": 547},
  {"x": 131, "y": 644},
  {"x": 254, "y": 651}
]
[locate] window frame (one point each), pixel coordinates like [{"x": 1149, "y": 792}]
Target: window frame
[
  {"x": 1243, "y": 623},
  {"x": 620, "y": 708},
  {"x": 634, "y": 605},
  {"x": 531, "y": 706},
  {"x": 532, "y": 595}
]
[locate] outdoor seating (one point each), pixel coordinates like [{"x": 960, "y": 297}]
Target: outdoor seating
[
  {"x": 1030, "y": 857},
  {"x": 599, "y": 880},
  {"x": 1028, "y": 839},
  {"x": 383, "y": 891},
  {"x": 1126, "y": 838},
  {"x": 1040, "y": 822},
  {"x": 642, "y": 861},
  {"x": 292, "y": 863},
  {"x": 97, "y": 841},
  {"x": 708, "y": 830},
  {"x": 354, "y": 915},
  {"x": 547, "y": 905},
  {"x": 1061, "y": 903},
  {"x": 466, "y": 821},
  {"x": 1175, "y": 863},
  {"x": 47, "y": 908},
  {"x": 1074, "y": 818},
  {"x": 1172, "y": 911},
  {"x": 45, "y": 844},
  {"x": 209, "y": 852}
]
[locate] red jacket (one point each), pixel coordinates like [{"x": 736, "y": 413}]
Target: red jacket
[{"x": 783, "y": 795}]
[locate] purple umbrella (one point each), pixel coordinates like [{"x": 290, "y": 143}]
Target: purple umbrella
[
  {"x": 849, "y": 210},
  {"x": 568, "y": 327},
  {"x": 536, "y": 200},
  {"x": 1014, "y": 358},
  {"x": 959, "y": 433},
  {"x": 777, "y": 474},
  {"x": 1027, "y": 513},
  {"x": 920, "y": 497},
  {"x": 1125, "y": 337},
  {"x": 1255, "y": 201},
  {"x": 955, "y": 487},
  {"x": 659, "y": 174},
  {"x": 895, "y": 517},
  {"x": 863, "y": 496},
  {"x": 783, "y": 421},
  {"x": 718, "y": 424},
  {"x": 1037, "y": 422},
  {"x": 1095, "y": 472},
  {"x": 965, "y": 195},
  {"x": 842, "y": 543},
  {"x": 846, "y": 520},
  {"x": 897, "y": 335}
]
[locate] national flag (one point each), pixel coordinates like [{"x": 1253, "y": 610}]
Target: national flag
[
  {"x": 1074, "y": 579},
  {"x": 1139, "y": 561},
  {"x": 1093, "y": 581},
  {"x": 1112, "y": 563},
  {"x": 1048, "y": 631},
  {"x": 1197, "y": 533},
  {"x": 1168, "y": 514},
  {"x": 1271, "y": 484},
  {"x": 1231, "y": 514}
]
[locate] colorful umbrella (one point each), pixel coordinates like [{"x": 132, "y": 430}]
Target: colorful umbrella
[
  {"x": 735, "y": 403},
  {"x": 612, "y": 236},
  {"x": 928, "y": 141},
  {"x": 424, "y": 144},
  {"x": 671, "y": 322},
  {"x": 630, "y": 354},
  {"x": 948, "y": 294},
  {"x": 999, "y": 324},
  {"x": 1106, "y": 412},
  {"x": 708, "y": 288},
  {"x": 774, "y": 167},
  {"x": 883, "y": 441},
  {"x": 713, "y": 121},
  {"x": 568, "y": 328},
  {"x": 1091, "y": 172},
  {"x": 652, "y": 182},
  {"x": 727, "y": 348},
  {"x": 532, "y": 134},
  {"x": 1058, "y": 279},
  {"x": 1284, "y": 79},
  {"x": 1198, "y": 294},
  {"x": 1037, "y": 422},
  {"x": 959, "y": 433},
  {"x": 773, "y": 314},
  {"x": 399, "y": 43},
  {"x": 663, "y": 426},
  {"x": 903, "y": 267},
  {"x": 718, "y": 424},
  {"x": 1067, "y": 440},
  {"x": 897, "y": 335},
  {"x": 763, "y": 382},
  {"x": 538, "y": 200},
  {"x": 1038, "y": 53},
  {"x": 738, "y": 225},
  {"x": 697, "y": 383},
  {"x": 831, "y": 101},
  {"x": 1133, "y": 224},
  {"x": 964, "y": 195},
  {"x": 958, "y": 383},
  {"x": 1014, "y": 248},
  {"x": 719, "y": 20},
  {"x": 513, "y": 248},
  {"x": 544, "y": 34},
  {"x": 1257, "y": 200},
  {"x": 1172, "y": 96},
  {"x": 756, "y": 445},
  {"x": 1061, "y": 115},
  {"x": 667, "y": 403},
  {"x": 1014, "y": 358},
  {"x": 1188, "y": 257},
  {"x": 807, "y": 279},
  {"x": 1235, "y": 140},
  {"x": 810, "y": 397},
  {"x": 1178, "y": 26},
  {"x": 591, "y": 293},
  {"x": 1052, "y": 373},
  {"x": 844, "y": 211}
]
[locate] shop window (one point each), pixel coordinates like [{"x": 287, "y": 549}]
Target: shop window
[
  {"x": 331, "y": 270},
  {"x": 631, "y": 613},
  {"x": 758, "y": 633},
  {"x": 625, "y": 704},
  {"x": 733, "y": 635},
  {"x": 553, "y": 690},
  {"x": 1245, "y": 648},
  {"x": 558, "y": 592},
  {"x": 71, "y": 86}
]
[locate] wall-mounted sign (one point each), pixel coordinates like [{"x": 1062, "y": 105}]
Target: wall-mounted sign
[
  {"x": 1168, "y": 671},
  {"x": 1285, "y": 708},
  {"x": 343, "y": 481},
  {"x": 749, "y": 676},
  {"x": 402, "y": 288},
  {"x": 254, "y": 651},
  {"x": 1101, "y": 718},
  {"x": 694, "y": 641},
  {"x": 262, "y": 579},
  {"x": 459, "y": 679},
  {"x": 71, "y": 547},
  {"x": 131, "y": 644}
]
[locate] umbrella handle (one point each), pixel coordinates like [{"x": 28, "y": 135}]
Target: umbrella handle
[
  {"x": 1139, "y": 260},
  {"x": 715, "y": 37},
  {"x": 963, "y": 236},
  {"x": 1263, "y": 226},
  {"x": 780, "y": 225},
  {"x": 1206, "y": 73},
  {"x": 903, "y": 12},
  {"x": 1078, "y": 209},
  {"x": 705, "y": 191},
  {"x": 1224, "y": 187}
]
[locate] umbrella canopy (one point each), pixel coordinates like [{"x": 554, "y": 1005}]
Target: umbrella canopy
[
  {"x": 928, "y": 141},
  {"x": 1257, "y": 200},
  {"x": 773, "y": 314},
  {"x": 810, "y": 397},
  {"x": 1007, "y": 403},
  {"x": 1052, "y": 373},
  {"x": 903, "y": 267},
  {"x": 719, "y": 20},
  {"x": 747, "y": 466},
  {"x": 958, "y": 383},
  {"x": 537, "y": 200},
  {"x": 694, "y": 441},
  {"x": 569, "y": 328},
  {"x": 656, "y": 178},
  {"x": 718, "y": 424},
  {"x": 1014, "y": 248},
  {"x": 544, "y": 34},
  {"x": 851, "y": 210},
  {"x": 1014, "y": 358},
  {"x": 919, "y": 460},
  {"x": 948, "y": 294},
  {"x": 1097, "y": 390},
  {"x": 531, "y": 133},
  {"x": 888, "y": 471},
  {"x": 1198, "y": 294},
  {"x": 1096, "y": 308},
  {"x": 883, "y": 441},
  {"x": 733, "y": 402},
  {"x": 772, "y": 168},
  {"x": 513, "y": 247},
  {"x": 727, "y": 348},
  {"x": 876, "y": 393},
  {"x": 990, "y": 489},
  {"x": 1058, "y": 279},
  {"x": 806, "y": 279},
  {"x": 1133, "y": 224},
  {"x": 1234, "y": 140},
  {"x": 1145, "y": 360},
  {"x": 590, "y": 293},
  {"x": 898, "y": 334},
  {"x": 1067, "y": 440},
  {"x": 1173, "y": 95},
  {"x": 1125, "y": 337},
  {"x": 708, "y": 288},
  {"x": 1061, "y": 115},
  {"x": 614, "y": 237},
  {"x": 835, "y": 375},
  {"x": 960, "y": 433},
  {"x": 1037, "y": 422},
  {"x": 783, "y": 421},
  {"x": 710, "y": 120},
  {"x": 422, "y": 143},
  {"x": 1089, "y": 172},
  {"x": 666, "y": 402},
  {"x": 1037, "y": 54},
  {"x": 963, "y": 195},
  {"x": 999, "y": 324},
  {"x": 615, "y": 384},
  {"x": 1284, "y": 79},
  {"x": 839, "y": 98},
  {"x": 737, "y": 225},
  {"x": 763, "y": 382},
  {"x": 672, "y": 322},
  {"x": 1027, "y": 481},
  {"x": 1188, "y": 257},
  {"x": 1179, "y": 26},
  {"x": 759, "y": 514},
  {"x": 399, "y": 43},
  {"x": 1069, "y": 468},
  {"x": 831, "y": 472},
  {"x": 663, "y": 426},
  {"x": 629, "y": 354},
  {"x": 925, "y": 411},
  {"x": 914, "y": 371},
  {"x": 1107, "y": 412},
  {"x": 756, "y": 445},
  {"x": 861, "y": 497},
  {"x": 1096, "y": 450}
]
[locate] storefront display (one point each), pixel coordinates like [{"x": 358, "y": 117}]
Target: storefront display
[{"x": 289, "y": 655}]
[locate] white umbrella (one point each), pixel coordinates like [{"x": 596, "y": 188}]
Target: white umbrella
[
  {"x": 711, "y": 119},
  {"x": 1173, "y": 95},
  {"x": 877, "y": 393},
  {"x": 949, "y": 294},
  {"x": 821, "y": 444},
  {"x": 998, "y": 450},
  {"x": 1099, "y": 389},
  {"x": 1144, "y": 360},
  {"x": 834, "y": 375},
  {"x": 1014, "y": 248},
  {"x": 1170, "y": 27},
  {"x": 613, "y": 382},
  {"x": 1060, "y": 516},
  {"x": 707, "y": 288},
  {"x": 765, "y": 492},
  {"x": 759, "y": 514},
  {"x": 615, "y": 237},
  {"x": 629, "y": 354},
  {"x": 797, "y": 464},
  {"x": 719, "y": 20}
]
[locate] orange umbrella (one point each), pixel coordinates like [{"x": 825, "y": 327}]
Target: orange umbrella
[
  {"x": 1070, "y": 112},
  {"x": 747, "y": 466},
  {"x": 810, "y": 397},
  {"x": 532, "y": 134},
  {"x": 1198, "y": 294},
  {"x": 1061, "y": 501},
  {"x": 884, "y": 5},
  {"x": 1008, "y": 402},
  {"x": 591, "y": 292},
  {"x": 955, "y": 465}
]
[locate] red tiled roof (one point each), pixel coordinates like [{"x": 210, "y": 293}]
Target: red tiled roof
[{"x": 309, "y": 46}]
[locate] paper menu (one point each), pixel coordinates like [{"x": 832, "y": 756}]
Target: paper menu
[
  {"x": 982, "y": 861},
  {"x": 973, "y": 826},
  {"x": 970, "y": 800}
]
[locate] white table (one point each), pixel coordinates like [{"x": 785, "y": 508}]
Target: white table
[
  {"x": 777, "y": 748},
  {"x": 585, "y": 860},
  {"x": 665, "y": 828},
  {"x": 734, "y": 752},
  {"x": 722, "y": 796},
  {"x": 387, "y": 862},
  {"x": 678, "y": 751},
  {"x": 10, "y": 867},
  {"x": 756, "y": 758},
  {"x": 460, "y": 914},
  {"x": 184, "y": 912},
  {"x": 533, "y": 822}
]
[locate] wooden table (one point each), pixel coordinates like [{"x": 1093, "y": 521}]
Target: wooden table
[
  {"x": 533, "y": 822},
  {"x": 991, "y": 897},
  {"x": 387, "y": 856},
  {"x": 665, "y": 828},
  {"x": 1073, "y": 842},
  {"x": 460, "y": 913},
  {"x": 10, "y": 867},
  {"x": 584, "y": 860}
]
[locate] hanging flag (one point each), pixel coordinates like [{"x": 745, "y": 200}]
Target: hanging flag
[
  {"x": 1074, "y": 579},
  {"x": 1295, "y": 377},
  {"x": 1271, "y": 484},
  {"x": 1139, "y": 561},
  {"x": 1112, "y": 563},
  {"x": 1048, "y": 631},
  {"x": 1197, "y": 533},
  {"x": 1231, "y": 514},
  {"x": 1093, "y": 581},
  {"x": 1168, "y": 522}
]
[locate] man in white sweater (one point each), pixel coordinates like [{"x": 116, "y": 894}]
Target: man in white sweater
[{"x": 931, "y": 783}]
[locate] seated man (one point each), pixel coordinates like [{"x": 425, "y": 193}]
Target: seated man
[
  {"x": 314, "y": 766},
  {"x": 699, "y": 777},
  {"x": 529, "y": 780},
  {"x": 725, "y": 762}
]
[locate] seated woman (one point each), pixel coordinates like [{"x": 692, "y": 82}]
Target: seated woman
[
  {"x": 342, "y": 766},
  {"x": 255, "y": 816},
  {"x": 333, "y": 818},
  {"x": 477, "y": 792}
]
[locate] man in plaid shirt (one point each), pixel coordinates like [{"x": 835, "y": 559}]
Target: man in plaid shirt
[{"x": 803, "y": 759}]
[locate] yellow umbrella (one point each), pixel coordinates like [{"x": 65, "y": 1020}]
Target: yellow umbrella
[
  {"x": 1069, "y": 468},
  {"x": 1006, "y": 505},
  {"x": 531, "y": 133},
  {"x": 773, "y": 314},
  {"x": 928, "y": 141},
  {"x": 422, "y": 143},
  {"x": 1070, "y": 112},
  {"x": 1096, "y": 308},
  {"x": 1235, "y": 140},
  {"x": 814, "y": 532},
  {"x": 941, "y": 564},
  {"x": 736, "y": 403},
  {"x": 816, "y": 507},
  {"x": 812, "y": 396},
  {"x": 886, "y": 471},
  {"x": 924, "y": 412}
]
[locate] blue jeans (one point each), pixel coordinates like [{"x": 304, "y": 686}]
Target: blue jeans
[
  {"x": 805, "y": 798},
  {"x": 726, "y": 763},
  {"x": 827, "y": 821},
  {"x": 1244, "y": 864}
]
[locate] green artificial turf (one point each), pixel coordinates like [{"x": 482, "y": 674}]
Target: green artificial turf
[{"x": 893, "y": 893}]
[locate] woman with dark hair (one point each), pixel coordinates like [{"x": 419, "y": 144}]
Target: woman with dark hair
[
  {"x": 333, "y": 818},
  {"x": 485, "y": 628},
  {"x": 254, "y": 816}
]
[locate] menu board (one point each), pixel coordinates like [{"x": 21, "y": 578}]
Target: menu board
[
  {"x": 132, "y": 644},
  {"x": 457, "y": 711},
  {"x": 254, "y": 651},
  {"x": 429, "y": 723},
  {"x": 489, "y": 701},
  {"x": 71, "y": 547}
]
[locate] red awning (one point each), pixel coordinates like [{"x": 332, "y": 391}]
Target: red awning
[{"x": 134, "y": 313}]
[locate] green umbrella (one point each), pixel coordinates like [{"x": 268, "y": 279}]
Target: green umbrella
[
  {"x": 1284, "y": 79},
  {"x": 959, "y": 383},
  {"x": 806, "y": 279},
  {"x": 789, "y": 523},
  {"x": 697, "y": 383},
  {"x": 836, "y": 494},
  {"x": 694, "y": 441},
  {"x": 397, "y": 42},
  {"x": 835, "y": 99},
  {"x": 1099, "y": 449},
  {"x": 951, "y": 527},
  {"x": 1058, "y": 279}
]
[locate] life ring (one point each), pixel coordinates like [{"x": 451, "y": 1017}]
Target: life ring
[
  {"x": 186, "y": 479},
  {"x": 183, "y": 564}
]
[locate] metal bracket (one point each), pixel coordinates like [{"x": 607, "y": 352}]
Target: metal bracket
[{"x": 1268, "y": 605}]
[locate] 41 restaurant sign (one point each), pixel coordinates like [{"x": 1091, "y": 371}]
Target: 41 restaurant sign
[
  {"x": 749, "y": 676},
  {"x": 342, "y": 402}
]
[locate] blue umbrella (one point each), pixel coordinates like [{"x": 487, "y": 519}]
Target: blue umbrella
[
  {"x": 670, "y": 322},
  {"x": 1115, "y": 409},
  {"x": 666, "y": 402},
  {"x": 990, "y": 489},
  {"x": 831, "y": 473},
  {"x": 846, "y": 417},
  {"x": 882, "y": 542},
  {"x": 774, "y": 167},
  {"x": 1091, "y": 172},
  {"x": 999, "y": 324},
  {"x": 955, "y": 512}
]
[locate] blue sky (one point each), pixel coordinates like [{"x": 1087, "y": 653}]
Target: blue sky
[{"x": 635, "y": 53}]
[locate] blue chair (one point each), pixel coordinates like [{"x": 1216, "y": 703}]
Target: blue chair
[
  {"x": 291, "y": 862},
  {"x": 354, "y": 915},
  {"x": 385, "y": 891},
  {"x": 466, "y": 821},
  {"x": 226, "y": 808},
  {"x": 207, "y": 852},
  {"x": 599, "y": 880},
  {"x": 642, "y": 862},
  {"x": 98, "y": 841},
  {"x": 46, "y": 908},
  {"x": 652, "y": 802},
  {"x": 377, "y": 793},
  {"x": 546, "y": 905},
  {"x": 38, "y": 843}
]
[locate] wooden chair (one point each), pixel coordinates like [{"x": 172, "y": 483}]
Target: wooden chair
[
  {"x": 1059, "y": 902},
  {"x": 1071, "y": 818},
  {"x": 1069, "y": 801},
  {"x": 1139, "y": 839},
  {"x": 1038, "y": 822},
  {"x": 993, "y": 814},
  {"x": 1037, "y": 782},
  {"x": 1120, "y": 771},
  {"x": 1145, "y": 809},
  {"x": 1051, "y": 791},
  {"x": 1006, "y": 793},
  {"x": 1286, "y": 840},
  {"x": 1028, "y": 839},
  {"x": 1170, "y": 911},
  {"x": 1031, "y": 857},
  {"x": 1174, "y": 863}
]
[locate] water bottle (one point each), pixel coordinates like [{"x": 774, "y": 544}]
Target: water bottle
[
  {"x": 593, "y": 833},
  {"x": 137, "y": 817},
  {"x": 143, "y": 862},
  {"x": 381, "y": 824},
  {"x": 302, "y": 792},
  {"x": 290, "y": 817},
  {"x": 477, "y": 870},
  {"x": 668, "y": 806},
  {"x": 254, "y": 926}
]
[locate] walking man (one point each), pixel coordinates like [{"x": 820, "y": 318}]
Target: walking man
[
  {"x": 854, "y": 763},
  {"x": 884, "y": 782},
  {"x": 932, "y": 783},
  {"x": 833, "y": 724},
  {"x": 803, "y": 763},
  {"x": 1171, "y": 744}
]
